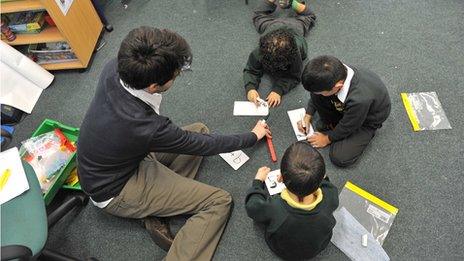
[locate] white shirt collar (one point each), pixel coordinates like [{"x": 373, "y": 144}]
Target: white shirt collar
[
  {"x": 341, "y": 95},
  {"x": 152, "y": 100}
]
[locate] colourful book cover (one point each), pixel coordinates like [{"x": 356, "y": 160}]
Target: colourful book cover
[{"x": 26, "y": 22}]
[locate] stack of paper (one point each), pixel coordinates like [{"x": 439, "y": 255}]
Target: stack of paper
[{"x": 13, "y": 181}]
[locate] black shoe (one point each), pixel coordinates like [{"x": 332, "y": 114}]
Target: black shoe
[{"x": 159, "y": 231}]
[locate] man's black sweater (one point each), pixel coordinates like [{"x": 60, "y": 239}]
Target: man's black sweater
[
  {"x": 119, "y": 130},
  {"x": 367, "y": 104},
  {"x": 291, "y": 233}
]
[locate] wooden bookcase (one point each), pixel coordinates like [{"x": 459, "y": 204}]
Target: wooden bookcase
[{"x": 80, "y": 27}]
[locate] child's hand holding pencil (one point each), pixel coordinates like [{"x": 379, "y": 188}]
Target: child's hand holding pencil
[{"x": 303, "y": 124}]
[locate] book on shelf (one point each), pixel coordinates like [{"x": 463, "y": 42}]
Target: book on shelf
[
  {"x": 56, "y": 52},
  {"x": 25, "y": 22}
]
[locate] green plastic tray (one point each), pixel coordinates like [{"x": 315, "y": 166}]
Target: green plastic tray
[
  {"x": 76, "y": 186},
  {"x": 71, "y": 133}
]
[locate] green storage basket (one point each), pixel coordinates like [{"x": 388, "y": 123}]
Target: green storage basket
[{"x": 72, "y": 134}]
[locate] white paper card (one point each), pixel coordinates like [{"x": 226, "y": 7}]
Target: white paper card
[
  {"x": 235, "y": 158},
  {"x": 246, "y": 108},
  {"x": 64, "y": 5},
  {"x": 17, "y": 181},
  {"x": 296, "y": 116},
  {"x": 274, "y": 186}
]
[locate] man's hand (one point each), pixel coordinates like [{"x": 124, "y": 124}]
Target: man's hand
[
  {"x": 253, "y": 96},
  {"x": 261, "y": 130},
  {"x": 273, "y": 99},
  {"x": 305, "y": 122},
  {"x": 319, "y": 140},
  {"x": 262, "y": 173}
]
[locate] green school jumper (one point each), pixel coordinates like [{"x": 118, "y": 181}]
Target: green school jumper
[
  {"x": 293, "y": 233},
  {"x": 283, "y": 81}
]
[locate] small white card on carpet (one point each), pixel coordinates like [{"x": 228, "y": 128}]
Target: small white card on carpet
[
  {"x": 274, "y": 186},
  {"x": 235, "y": 158},
  {"x": 296, "y": 116},
  {"x": 246, "y": 108}
]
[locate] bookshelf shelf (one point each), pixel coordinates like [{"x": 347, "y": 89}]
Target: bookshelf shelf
[
  {"x": 63, "y": 66},
  {"x": 20, "y": 6},
  {"x": 80, "y": 28},
  {"x": 49, "y": 34}
]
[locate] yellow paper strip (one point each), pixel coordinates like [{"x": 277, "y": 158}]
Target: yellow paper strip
[
  {"x": 361, "y": 192},
  {"x": 410, "y": 112}
]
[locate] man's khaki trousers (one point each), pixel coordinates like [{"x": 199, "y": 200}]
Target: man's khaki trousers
[{"x": 164, "y": 186}]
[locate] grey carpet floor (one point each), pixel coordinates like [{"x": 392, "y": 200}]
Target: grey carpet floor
[{"x": 414, "y": 45}]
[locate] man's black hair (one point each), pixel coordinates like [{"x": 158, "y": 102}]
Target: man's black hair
[
  {"x": 149, "y": 55},
  {"x": 278, "y": 49},
  {"x": 302, "y": 169},
  {"x": 322, "y": 73}
]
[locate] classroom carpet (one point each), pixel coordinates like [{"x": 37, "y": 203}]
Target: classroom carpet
[{"x": 414, "y": 45}]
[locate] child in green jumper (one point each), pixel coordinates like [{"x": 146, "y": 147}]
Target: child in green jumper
[
  {"x": 299, "y": 222},
  {"x": 282, "y": 48}
]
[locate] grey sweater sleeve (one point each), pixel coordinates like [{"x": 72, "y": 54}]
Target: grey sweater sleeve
[
  {"x": 354, "y": 116},
  {"x": 170, "y": 138}
]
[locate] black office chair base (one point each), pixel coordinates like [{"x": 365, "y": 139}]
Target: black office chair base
[
  {"x": 66, "y": 207},
  {"x": 16, "y": 252},
  {"x": 49, "y": 255}
]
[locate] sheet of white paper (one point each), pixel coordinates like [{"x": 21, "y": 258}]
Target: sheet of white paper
[
  {"x": 246, "y": 108},
  {"x": 273, "y": 186},
  {"x": 25, "y": 66},
  {"x": 296, "y": 116},
  {"x": 17, "y": 182},
  {"x": 64, "y": 5},
  {"x": 235, "y": 158},
  {"x": 347, "y": 236},
  {"x": 22, "y": 80}
]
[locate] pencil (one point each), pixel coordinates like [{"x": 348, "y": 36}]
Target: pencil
[{"x": 303, "y": 124}]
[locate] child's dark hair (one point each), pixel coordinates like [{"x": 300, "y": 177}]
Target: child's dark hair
[
  {"x": 302, "y": 169},
  {"x": 149, "y": 55},
  {"x": 278, "y": 49},
  {"x": 322, "y": 73}
]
